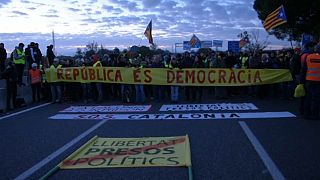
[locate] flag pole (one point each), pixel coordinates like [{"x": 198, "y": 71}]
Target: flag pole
[
  {"x": 53, "y": 42},
  {"x": 140, "y": 40}
]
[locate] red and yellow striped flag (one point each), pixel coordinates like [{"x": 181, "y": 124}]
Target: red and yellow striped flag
[{"x": 274, "y": 19}]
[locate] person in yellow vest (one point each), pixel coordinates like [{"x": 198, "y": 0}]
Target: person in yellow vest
[
  {"x": 19, "y": 61},
  {"x": 45, "y": 87},
  {"x": 35, "y": 81},
  {"x": 310, "y": 77},
  {"x": 97, "y": 64},
  {"x": 56, "y": 90},
  {"x": 244, "y": 61}
]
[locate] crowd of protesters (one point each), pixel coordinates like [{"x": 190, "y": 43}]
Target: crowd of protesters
[{"x": 98, "y": 92}]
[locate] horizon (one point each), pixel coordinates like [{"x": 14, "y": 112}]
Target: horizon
[{"x": 121, "y": 23}]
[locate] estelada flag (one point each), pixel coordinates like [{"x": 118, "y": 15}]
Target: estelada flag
[
  {"x": 194, "y": 41},
  {"x": 274, "y": 19},
  {"x": 148, "y": 32},
  {"x": 243, "y": 42}
]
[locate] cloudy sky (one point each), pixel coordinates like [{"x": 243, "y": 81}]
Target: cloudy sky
[{"x": 121, "y": 23}]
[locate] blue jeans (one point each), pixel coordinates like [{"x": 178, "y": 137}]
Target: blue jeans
[
  {"x": 56, "y": 92},
  {"x": 312, "y": 100},
  {"x": 100, "y": 91},
  {"x": 174, "y": 93},
  {"x": 140, "y": 97}
]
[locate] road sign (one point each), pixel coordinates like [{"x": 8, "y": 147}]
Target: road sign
[
  {"x": 206, "y": 44},
  {"x": 217, "y": 43},
  {"x": 186, "y": 45},
  {"x": 306, "y": 38},
  {"x": 233, "y": 46}
]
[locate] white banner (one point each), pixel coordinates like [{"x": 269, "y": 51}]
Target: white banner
[
  {"x": 209, "y": 107},
  {"x": 176, "y": 116},
  {"x": 119, "y": 108}
]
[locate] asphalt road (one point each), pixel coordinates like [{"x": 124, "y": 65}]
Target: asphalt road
[{"x": 220, "y": 149}]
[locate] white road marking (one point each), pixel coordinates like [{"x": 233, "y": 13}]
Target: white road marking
[
  {"x": 271, "y": 166},
  {"x": 58, "y": 152},
  {"x": 23, "y": 111},
  {"x": 175, "y": 116}
]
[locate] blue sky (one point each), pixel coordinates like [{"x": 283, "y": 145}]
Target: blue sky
[{"x": 121, "y": 23}]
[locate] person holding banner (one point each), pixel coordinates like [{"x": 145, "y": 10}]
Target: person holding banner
[
  {"x": 197, "y": 90},
  {"x": 187, "y": 62},
  {"x": 157, "y": 89},
  {"x": 140, "y": 95},
  {"x": 56, "y": 90},
  {"x": 97, "y": 64},
  {"x": 219, "y": 62},
  {"x": 174, "y": 89}
]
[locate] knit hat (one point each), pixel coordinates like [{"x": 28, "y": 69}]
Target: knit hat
[{"x": 297, "y": 49}]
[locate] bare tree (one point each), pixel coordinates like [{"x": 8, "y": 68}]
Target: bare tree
[{"x": 253, "y": 42}]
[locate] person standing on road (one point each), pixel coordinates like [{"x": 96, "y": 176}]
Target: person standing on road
[
  {"x": 56, "y": 91},
  {"x": 50, "y": 54},
  {"x": 97, "y": 64},
  {"x": 174, "y": 89},
  {"x": 3, "y": 57},
  {"x": 307, "y": 50},
  {"x": 220, "y": 62},
  {"x": 35, "y": 78},
  {"x": 10, "y": 75},
  {"x": 19, "y": 61},
  {"x": 197, "y": 90},
  {"x": 310, "y": 76},
  {"x": 139, "y": 89},
  {"x": 33, "y": 55}
]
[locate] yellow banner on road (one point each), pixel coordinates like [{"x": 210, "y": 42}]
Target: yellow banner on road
[
  {"x": 162, "y": 76},
  {"x": 131, "y": 152}
]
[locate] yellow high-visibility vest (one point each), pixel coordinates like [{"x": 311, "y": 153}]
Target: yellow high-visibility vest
[
  {"x": 97, "y": 64},
  {"x": 20, "y": 60}
]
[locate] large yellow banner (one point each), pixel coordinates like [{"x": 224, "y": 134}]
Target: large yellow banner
[
  {"x": 131, "y": 152},
  {"x": 162, "y": 76}
]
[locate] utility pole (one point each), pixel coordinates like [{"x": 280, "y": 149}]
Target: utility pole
[{"x": 53, "y": 42}]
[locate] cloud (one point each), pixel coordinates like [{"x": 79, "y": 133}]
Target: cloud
[
  {"x": 4, "y": 2},
  {"x": 124, "y": 21},
  {"x": 25, "y": 1},
  {"x": 74, "y": 9},
  {"x": 90, "y": 20},
  {"x": 19, "y": 13},
  {"x": 153, "y": 3},
  {"x": 53, "y": 11},
  {"x": 131, "y": 6},
  {"x": 50, "y": 16},
  {"x": 112, "y": 9}
]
